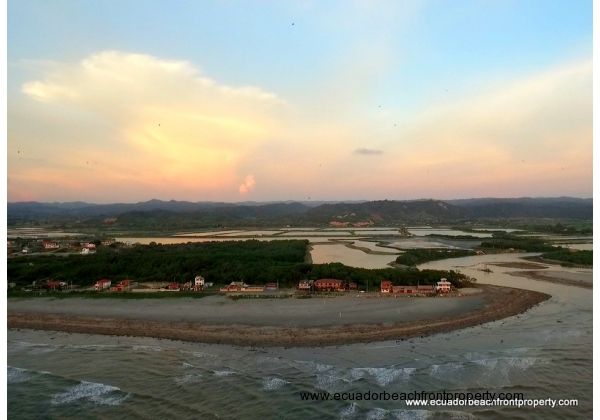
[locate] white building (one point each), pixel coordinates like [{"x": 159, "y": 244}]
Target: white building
[
  {"x": 199, "y": 281},
  {"x": 443, "y": 286}
]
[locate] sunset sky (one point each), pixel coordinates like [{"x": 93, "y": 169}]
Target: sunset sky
[{"x": 122, "y": 101}]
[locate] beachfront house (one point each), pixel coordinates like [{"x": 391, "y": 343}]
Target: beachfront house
[
  {"x": 234, "y": 286},
  {"x": 404, "y": 290},
  {"x": 122, "y": 286},
  {"x": 305, "y": 285},
  {"x": 426, "y": 289},
  {"x": 240, "y": 286},
  {"x": 173, "y": 286},
  {"x": 199, "y": 283},
  {"x": 102, "y": 284},
  {"x": 386, "y": 286},
  {"x": 443, "y": 286},
  {"x": 53, "y": 285},
  {"x": 50, "y": 245},
  {"x": 329, "y": 285}
]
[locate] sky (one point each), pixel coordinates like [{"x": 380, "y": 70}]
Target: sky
[{"x": 130, "y": 100}]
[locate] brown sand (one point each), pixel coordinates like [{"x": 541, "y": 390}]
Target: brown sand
[
  {"x": 523, "y": 265},
  {"x": 501, "y": 302},
  {"x": 547, "y": 276}
]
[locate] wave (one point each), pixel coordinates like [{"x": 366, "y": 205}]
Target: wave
[
  {"x": 349, "y": 411},
  {"x": 427, "y": 414},
  {"x": 97, "y": 393},
  {"x": 224, "y": 372},
  {"x": 376, "y": 414},
  {"x": 146, "y": 348},
  {"x": 521, "y": 363},
  {"x": 273, "y": 383},
  {"x": 17, "y": 375},
  {"x": 384, "y": 376},
  {"x": 189, "y": 378},
  {"x": 446, "y": 369}
]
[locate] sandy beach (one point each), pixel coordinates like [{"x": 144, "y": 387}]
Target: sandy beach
[
  {"x": 287, "y": 322},
  {"x": 559, "y": 277}
]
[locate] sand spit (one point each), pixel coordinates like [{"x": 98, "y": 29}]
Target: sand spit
[
  {"x": 557, "y": 277},
  {"x": 500, "y": 302}
]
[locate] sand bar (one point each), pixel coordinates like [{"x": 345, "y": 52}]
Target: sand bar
[{"x": 285, "y": 322}]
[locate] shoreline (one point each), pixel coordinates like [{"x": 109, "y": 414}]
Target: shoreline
[
  {"x": 539, "y": 276},
  {"x": 501, "y": 302}
]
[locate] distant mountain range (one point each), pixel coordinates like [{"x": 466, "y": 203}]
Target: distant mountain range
[{"x": 178, "y": 214}]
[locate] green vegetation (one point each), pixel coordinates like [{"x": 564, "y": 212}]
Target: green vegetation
[
  {"x": 568, "y": 228},
  {"x": 570, "y": 257},
  {"x": 251, "y": 261},
  {"x": 107, "y": 295},
  {"x": 412, "y": 257},
  {"x": 372, "y": 277},
  {"x": 502, "y": 240},
  {"x": 453, "y": 237},
  {"x": 219, "y": 262}
]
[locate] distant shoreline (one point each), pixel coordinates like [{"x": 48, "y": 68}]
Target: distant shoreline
[
  {"x": 539, "y": 276},
  {"x": 500, "y": 302}
]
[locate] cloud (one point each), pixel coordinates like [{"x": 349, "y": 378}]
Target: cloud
[
  {"x": 248, "y": 185},
  {"x": 368, "y": 152},
  {"x": 157, "y": 127},
  {"x": 162, "y": 128}
]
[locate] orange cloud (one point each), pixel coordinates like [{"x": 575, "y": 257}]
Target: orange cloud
[{"x": 248, "y": 185}]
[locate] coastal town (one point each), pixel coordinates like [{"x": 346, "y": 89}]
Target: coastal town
[{"x": 199, "y": 284}]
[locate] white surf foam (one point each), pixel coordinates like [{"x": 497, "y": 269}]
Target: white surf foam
[
  {"x": 412, "y": 414},
  {"x": 16, "y": 375},
  {"x": 273, "y": 383},
  {"x": 97, "y": 393},
  {"x": 224, "y": 372},
  {"x": 384, "y": 376},
  {"x": 376, "y": 414},
  {"x": 188, "y": 378},
  {"x": 349, "y": 411}
]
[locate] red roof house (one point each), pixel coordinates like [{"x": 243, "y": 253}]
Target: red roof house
[{"x": 386, "y": 286}]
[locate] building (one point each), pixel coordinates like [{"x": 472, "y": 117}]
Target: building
[
  {"x": 174, "y": 286},
  {"x": 240, "y": 286},
  {"x": 234, "y": 286},
  {"x": 88, "y": 245},
  {"x": 428, "y": 289},
  {"x": 352, "y": 286},
  {"x": 419, "y": 290},
  {"x": 53, "y": 285},
  {"x": 199, "y": 283},
  {"x": 271, "y": 286},
  {"x": 108, "y": 242},
  {"x": 306, "y": 285},
  {"x": 404, "y": 290},
  {"x": 50, "y": 244},
  {"x": 386, "y": 286},
  {"x": 102, "y": 284},
  {"x": 329, "y": 285},
  {"x": 122, "y": 286},
  {"x": 443, "y": 286}
]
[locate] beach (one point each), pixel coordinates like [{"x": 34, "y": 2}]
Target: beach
[
  {"x": 318, "y": 321},
  {"x": 560, "y": 277}
]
